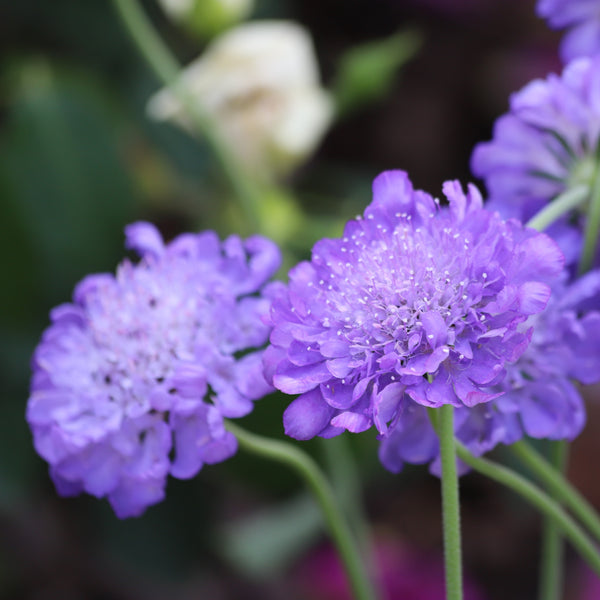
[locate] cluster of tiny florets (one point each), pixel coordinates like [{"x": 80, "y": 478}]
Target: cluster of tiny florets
[
  {"x": 133, "y": 378},
  {"x": 413, "y": 302},
  {"x": 538, "y": 397}
]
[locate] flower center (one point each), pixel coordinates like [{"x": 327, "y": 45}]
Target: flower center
[
  {"x": 137, "y": 330},
  {"x": 379, "y": 295}
]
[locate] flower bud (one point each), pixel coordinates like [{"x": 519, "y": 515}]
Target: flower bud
[
  {"x": 207, "y": 17},
  {"x": 259, "y": 84}
]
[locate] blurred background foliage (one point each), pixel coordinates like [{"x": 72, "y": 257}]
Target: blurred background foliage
[{"x": 416, "y": 84}]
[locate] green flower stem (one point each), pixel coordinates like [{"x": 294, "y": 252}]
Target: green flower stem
[
  {"x": 552, "y": 560},
  {"x": 592, "y": 227},
  {"x": 551, "y": 568},
  {"x": 450, "y": 504},
  {"x": 299, "y": 461},
  {"x": 561, "y": 205},
  {"x": 166, "y": 68},
  {"x": 345, "y": 479},
  {"x": 539, "y": 500},
  {"x": 558, "y": 485}
]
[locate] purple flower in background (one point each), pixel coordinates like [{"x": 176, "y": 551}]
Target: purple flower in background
[
  {"x": 132, "y": 380},
  {"x": 588, "y": 584},
  {"x": 402, "y": 573},
  {"x": 581, "y": 17},
  {"x": 547, "y": 142},
  {"x": 539, "y": 399},
  {"x": 415, "y": 304}
]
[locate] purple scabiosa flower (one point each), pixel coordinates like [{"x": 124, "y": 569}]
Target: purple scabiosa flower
[
  {"x": 581, "y": 17},
  {"x": 546, "y": 144},
  {"x": 132, "y": 380},
  {"x": 539, "y": 397},
  {"x": 415, "y": 304}
]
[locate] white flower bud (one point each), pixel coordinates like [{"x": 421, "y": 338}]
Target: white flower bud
[
  {"x": 259, "y": 82},
  {"x": 180, "y": 9},
  {"x": 177, "y": 9}
]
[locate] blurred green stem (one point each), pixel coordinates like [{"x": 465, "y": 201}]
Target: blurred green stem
[
  {"x": 306, "y": 467},
  {"x": 450, "y": 503},
  {"x": 592, "y": 227},
  {"x": 552, "y": 559},
  {"x": 559, "y": 207},
  {"x": 552, "y": 567},
  {"x": 166, "y": 68},
  {"x": 540, "y": 500},
  {"x": 345, "y": 480},
  {"x": 560, "y": 487}
]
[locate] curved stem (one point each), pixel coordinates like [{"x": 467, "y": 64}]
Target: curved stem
[
  {"x": 592, "y": 227},
  {"x": 552, "y": 568},
  {"x": 450, "y": 504},
  {"x": 539, "y": 500},
  {"x": 346, "y": 484},
  {"x": 558, "y": 485},
  {"x": 561, "y": 205},
  {"x": 300, "y": 462},
  {"x": 166, "y": 68}
]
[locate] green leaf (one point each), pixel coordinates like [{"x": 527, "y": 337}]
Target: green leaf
[
  {"x": 268, "y": 542},
  {"x": 366, "y": 72}
]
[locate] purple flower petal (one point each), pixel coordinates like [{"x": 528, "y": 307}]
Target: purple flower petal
[
  {"x": 387, "y": 404},
  {"x": 190, "y": 380},
  {"x": 338, "y": 395},
  {"x": 546, "y": 143},
  {"x": 249, "y": 377},
  {"x": 435, "y": 328},
  {"x": 189, "y": 454},
  {"x": 583, "y": 39},
  {"x": 144, "y": 238},
  {"x": 413, "y": 440},
  {"x": 351, "y": 421},
  {"x": 132, "y": 497},
  {"x": 307, "y": 416},
  {"x": 296, "y": 380}
]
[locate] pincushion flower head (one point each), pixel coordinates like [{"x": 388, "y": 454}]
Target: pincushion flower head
[
  {"x": 131, "y": 380},
  {"x": 546, "y": 144},
  {"x": 539, "y": 399},
  {"x": 581, "y": 17},
  {"x": 415, "y": 303}
]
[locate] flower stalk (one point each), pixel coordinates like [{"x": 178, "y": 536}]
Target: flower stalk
[
  {"x": 346, "y": 482},
  {"x": 339, "y": 530},
  {"x": 539, "y": 500},
  {"x": 592, "y": 227},
  {"x": 553, "y": 548},
  {"x": 552, "y": 563},
  {"x": 569, "y": 200},
  {"x": 558, "y": 485},
  {"x": 450, "y": 504},
  {"x": 166, "y": 68}
]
